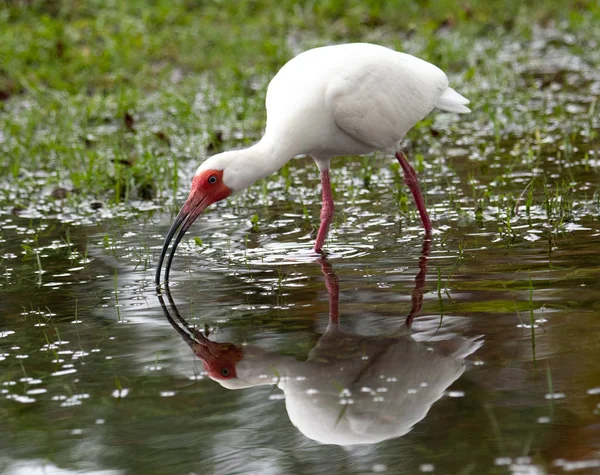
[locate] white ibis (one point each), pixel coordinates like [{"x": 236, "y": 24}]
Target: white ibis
[
  {"x": 348, "y": 99},
  {"x": 352, "y": 389}
]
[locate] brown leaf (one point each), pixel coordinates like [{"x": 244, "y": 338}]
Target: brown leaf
[
  {"x": 129, "y": 121},
  {"x": 160, "y": 135},
  {"x": 59, "y": 193}
]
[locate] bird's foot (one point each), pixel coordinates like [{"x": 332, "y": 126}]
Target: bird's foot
[{"x": 321, "y": 251}]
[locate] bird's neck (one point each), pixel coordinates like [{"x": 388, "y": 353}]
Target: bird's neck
[
  {"x": 261, "y": 160},
  {"x": 260, "y": 367}
]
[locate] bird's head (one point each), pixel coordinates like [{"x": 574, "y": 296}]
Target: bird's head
[
  {"x": 219, "y": 359},
  {"x": 239, "y": 367},
  {"x": 213, "y": 181}
]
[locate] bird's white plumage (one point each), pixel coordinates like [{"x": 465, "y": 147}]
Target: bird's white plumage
[
  {"x": 339, "y": 100},
  {"x": 349, "y": 366},
  {"x": 360, "y": 97}
]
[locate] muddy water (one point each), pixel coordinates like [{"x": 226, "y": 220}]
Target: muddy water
[{"x": 309, "y": 366}]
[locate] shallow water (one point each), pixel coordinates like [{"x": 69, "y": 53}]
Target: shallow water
[{"x": 498, "y": 373}]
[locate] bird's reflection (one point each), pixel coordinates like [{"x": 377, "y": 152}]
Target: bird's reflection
[{"x": 352, "y": 389}]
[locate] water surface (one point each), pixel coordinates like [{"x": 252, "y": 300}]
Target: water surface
[{"x": 94, "y": 377}]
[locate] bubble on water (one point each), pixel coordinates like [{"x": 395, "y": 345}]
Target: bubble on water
[
  {"x": 20, "y": 398},
  {"x": 594, "y": 390},
  {"x": 37, "y": 391},
  {"x": 554, "y": 395},
  {"x": 167, "y": 393},
  {"x": 527, "y": 325},
  {"x": 120, "y": 393},
  {"x": 571, "y": 466},
  {"x": 427, "y": 467},
  {"x": 55, "y": 284},
  {"x": 64, "y": 372},
  {"x": 4, "y": 334},
  {"x": 379, "y": 468},
  {"x": 456, "y": 394}
]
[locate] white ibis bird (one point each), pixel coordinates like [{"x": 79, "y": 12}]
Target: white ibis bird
[
  {"x": 347, "y": 99},
  {"x": 352, "y": 388}
]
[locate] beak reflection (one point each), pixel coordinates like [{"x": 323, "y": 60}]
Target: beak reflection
[{"x": 352, "y": 388}]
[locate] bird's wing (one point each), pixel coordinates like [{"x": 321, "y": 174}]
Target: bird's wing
[{"x": 379, "y": 99}]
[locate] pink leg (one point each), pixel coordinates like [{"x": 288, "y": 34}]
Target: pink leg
[
  {"x": 417, "y": 293},
  {"x": 333, "y": 289},
  {"x": 326, "y": 211},
  {"x": 410, "y": 178}
]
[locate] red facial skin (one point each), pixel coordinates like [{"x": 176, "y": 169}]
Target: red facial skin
[
  {"x": 219, "y": 359},
  {"x": 204, "y": 187}
]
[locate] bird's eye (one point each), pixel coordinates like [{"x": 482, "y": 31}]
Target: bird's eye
[
  {"x": 225, "y": 372},
  {"x": 212, "y": 179}
]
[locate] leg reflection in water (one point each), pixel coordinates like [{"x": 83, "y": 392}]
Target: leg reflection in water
[{"x": 351, "y": 388}]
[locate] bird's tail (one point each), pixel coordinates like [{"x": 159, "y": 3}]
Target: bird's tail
[
  {"x": 466, "y": 346},
  {"x": 452, "y": 101}
]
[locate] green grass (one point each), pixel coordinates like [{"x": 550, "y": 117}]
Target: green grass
[{"x": 117, "y": 101}]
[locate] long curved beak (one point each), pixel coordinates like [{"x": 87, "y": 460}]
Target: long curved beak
[
  {"x": 192, "y": 208},
  {"x": 212, "y": 354}
]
